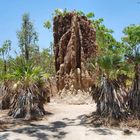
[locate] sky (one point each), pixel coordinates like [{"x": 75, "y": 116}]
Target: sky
[{"x": 117, "y": 14}]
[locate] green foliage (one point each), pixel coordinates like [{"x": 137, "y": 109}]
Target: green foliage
[
  {"x": 26, "y": 74},
  {"x": 4, "y": 52},
  {"x": 60, "y": 12},
  {"x": 109, "y": 65},
  {"x": 47, "y": 61},
  {"x": 132, "y": 36},
  {"x": 80, "y": 13},
  {"x": 90, "y": 15},
  {"x": 57, "y": 12},
  {"x": 27, "y": 37},
  {"x": 6, "y": 47},
  {"x": 31, "y": 64},
  {"x": 104, "y": 36},
  {"x": 47, "y": 24},
  {"x": 132, "y": 42},
  {"x": 111, "y": 58}
]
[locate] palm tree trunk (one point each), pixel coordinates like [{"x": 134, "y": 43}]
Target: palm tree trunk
[
  {"x": 110, "y": 101},
  {"x": 5, "y": 66},
  {"x": 134, "y": 95},
  {"x": 5, "y": 95},
  {"x": 28, "y": 103}
]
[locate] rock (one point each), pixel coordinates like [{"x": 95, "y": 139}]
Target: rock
[
  {"x": 127, "y": 132},
  {"x": 97, "y": 124}
]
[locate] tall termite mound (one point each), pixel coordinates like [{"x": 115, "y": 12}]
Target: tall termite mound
[{"x": 74, "y": 44}]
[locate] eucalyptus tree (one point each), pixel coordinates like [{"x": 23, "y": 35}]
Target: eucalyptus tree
[
  {"x": 4, "y": 83},
  {"x": 27, "y": 38},
  {"x": 47, "y": 61},
  {"x": 4, "y": 52}
]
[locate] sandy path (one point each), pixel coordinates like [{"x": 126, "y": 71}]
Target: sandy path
[{"x": 65, "y": 123}]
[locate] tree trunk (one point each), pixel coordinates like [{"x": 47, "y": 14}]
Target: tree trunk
[
  {"x": 28, "y": 103},
  {"x": 134, "y": 95},
  {"x": 109, "y": 99},
  {"x": 5, "y": 95},
  {"x": 5, "y": 66},
  {"x": 26, "y": 53}
]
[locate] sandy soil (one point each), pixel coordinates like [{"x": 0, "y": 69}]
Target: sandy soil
[{"x": 65, "y": 122}]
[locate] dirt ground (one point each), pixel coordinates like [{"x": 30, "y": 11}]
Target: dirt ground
[{"x": 63, "y": 122}]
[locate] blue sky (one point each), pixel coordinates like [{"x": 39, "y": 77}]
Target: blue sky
[{"x": 117, "y": 14}]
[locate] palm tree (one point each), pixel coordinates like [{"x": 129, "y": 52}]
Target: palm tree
[
  {"x": 132, "y": 42},
  {"x": 109, "y": 94},
  {"x": 29, "y": 92}
]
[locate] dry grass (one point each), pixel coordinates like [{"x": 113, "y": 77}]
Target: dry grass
[{"x": 98, "y": 121}]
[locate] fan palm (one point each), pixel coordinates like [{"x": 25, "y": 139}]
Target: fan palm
[
  {"x": 132, "y": 42},
  {"x": 134, "y": 94},
  {"x": 29, "y": 92},
  {"x": 109, "y": 94}
]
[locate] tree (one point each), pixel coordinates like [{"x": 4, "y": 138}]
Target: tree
[
  {"x": 110, "y": 95},
  {"x": 27, "y": 37},
  {"x": 4, "y": 84},
  {"x": 4, "y": 52},
  {"x": 108, "y": 92},
  {"x": 47, "y": 24},
  {"x": 47, "y": 60},
  {"x": 30, "y": 92},
  {"x": 132, "y": 43},
  {"x": 29, "y": 89}
]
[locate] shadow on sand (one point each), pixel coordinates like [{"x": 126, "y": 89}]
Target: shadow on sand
[{"x": 52, "y": 130}]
